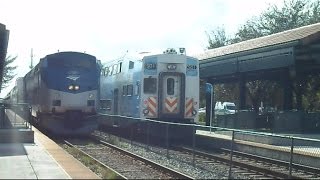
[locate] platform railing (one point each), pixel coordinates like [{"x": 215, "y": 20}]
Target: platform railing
[
  {"x": 293, "y": 150},
  {"x": 289, "y": 149},
  {"x": 15, "y": 116}
]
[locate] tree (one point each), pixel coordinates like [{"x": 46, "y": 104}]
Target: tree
[
  {"x": 219, "y": 38},
  {"x": 293, "y": 14},
  {"x": 8, "y": 71}
]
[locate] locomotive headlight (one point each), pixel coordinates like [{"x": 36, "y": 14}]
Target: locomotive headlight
[
  {"x": 76, "y": 87},
  {"x": 70, "y": 87},
  {"x": 171, "y": 66},
  {"x": 91, "y": 96}
]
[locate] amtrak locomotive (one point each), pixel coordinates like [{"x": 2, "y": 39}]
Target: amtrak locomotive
[
  {"x": 161, "y": 87},
  {"x": 62, "y": 90}
]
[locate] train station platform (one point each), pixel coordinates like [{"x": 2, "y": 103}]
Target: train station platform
[
  {"x": 40, "y": 159},
  {"x": 43, "y": 159},
  {"x": 14, "y": 128},
  {"x": 302, "y": 148}
]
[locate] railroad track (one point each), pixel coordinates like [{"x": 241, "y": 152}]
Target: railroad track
[
  {"x": 203, "y": 169},
  {"x": 249, "y": 166},
  {"x": 255, "y": 167},
  {"x": 124, "y": 164}
]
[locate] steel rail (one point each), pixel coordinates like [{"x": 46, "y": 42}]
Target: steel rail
[{"x": 155, "y": 165}]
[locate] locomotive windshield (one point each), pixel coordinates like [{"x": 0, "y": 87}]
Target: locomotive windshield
[
  {"x": 80, "y": 61},
  {"x": 150, "y": 85}
]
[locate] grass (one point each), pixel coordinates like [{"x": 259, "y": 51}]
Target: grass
[{"x": 91, "y": 164}]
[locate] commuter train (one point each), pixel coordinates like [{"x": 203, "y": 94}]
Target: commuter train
[
  {"x": 62, "y": 90},
  {"x": 162, "y": 87}
]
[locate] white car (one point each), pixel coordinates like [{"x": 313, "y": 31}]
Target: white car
[{"x": 202, "y": 110}]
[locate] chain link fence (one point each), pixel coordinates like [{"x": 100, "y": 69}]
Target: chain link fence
[{"x": 289, "y": 149}]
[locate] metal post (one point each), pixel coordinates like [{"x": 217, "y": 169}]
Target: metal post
[
  {"x": 131, "y": 136},
  {"x": 148, "y": 134},
  {"x": 30, "y": 117},
  {"x": 15, "y": 116},
  {"x": 2, "y": 116},
  {"x": 167, "y": 139},
  {"x": 291, "y": 158},
  {"x": 25, "y": 115},
  {"x": 209, "y": 90},
  {"x": 211, "y": 109},
  {"x": 231, "y": 153},
  {"x": 193, "y": 145}
]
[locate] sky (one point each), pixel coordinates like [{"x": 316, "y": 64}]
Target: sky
[{"x": 108, "y": 29}]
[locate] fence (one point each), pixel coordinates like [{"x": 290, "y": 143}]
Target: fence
[
  {"x": 289, "y": 149},
  {"x": 15, "y": 116}
]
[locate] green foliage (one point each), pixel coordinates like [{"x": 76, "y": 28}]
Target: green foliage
[
  {"x": 202, "y": 118},
  {"x": 228, "y": 92},
  {"x": 219, "y": 38},
  {"x": 8, "y": 71},
  {"x": 311, "y": 93},
  {"x": 263, "y": 91}
]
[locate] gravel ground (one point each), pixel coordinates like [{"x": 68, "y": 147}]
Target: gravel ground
[{"x": 176, "y": 160}]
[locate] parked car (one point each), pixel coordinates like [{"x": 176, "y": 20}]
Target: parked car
[
  {"x": 225, "y": 108},
  {"x": 202, "y": 110}
]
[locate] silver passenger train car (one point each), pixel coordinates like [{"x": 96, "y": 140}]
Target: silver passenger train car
[{"x": 162, "y": 87}]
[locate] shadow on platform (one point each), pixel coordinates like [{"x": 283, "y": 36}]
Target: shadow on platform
[{"x": 12, "y": 149}]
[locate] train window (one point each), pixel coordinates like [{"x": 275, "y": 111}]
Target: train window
[
  {"x": 131, "y": 65},
  {"x": 105, "y": 104},
  {"x": 119, "y": 67},
  {"x": 124, "y": 90},
  {"x": 115, "y": 69},
  {"x": 71, "y": 62},
  {"x": 150, "y": 85},
  {"x": 130, "y": 90},
  {"x": 103, "y": 72},
  {"x": 107, "y": 71},
  {"x": 110, "y": 71},
  {"x": 170, "y": 86}
]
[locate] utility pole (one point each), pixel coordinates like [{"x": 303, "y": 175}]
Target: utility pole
[{"x": 31, "y": 65}]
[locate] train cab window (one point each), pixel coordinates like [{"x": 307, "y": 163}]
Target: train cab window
[
  {"x": 130, "y": 90},
  {"x": 170, "y": 86},
  {"x": 110, "y": 71},
  {"x": 131, "y": 64},
  {"x": 124, "y": 90},
  {"x": 105, "y": 104},
  {"x": 150, "y": 85}
]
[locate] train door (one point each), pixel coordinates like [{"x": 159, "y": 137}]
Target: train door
[
  {"x": 115, "y": 101},
  {"x": 171, "y": 95}
]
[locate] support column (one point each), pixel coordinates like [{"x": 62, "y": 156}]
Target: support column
[
  {"x": 209, "y": 103},
  {"x": 299, "y": 92},
  {"x": 242, "y": 93},
  {"x": 287, "y": 84}
]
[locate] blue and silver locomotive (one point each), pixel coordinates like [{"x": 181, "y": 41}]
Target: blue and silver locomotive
[{"x": 62, "y": 90}]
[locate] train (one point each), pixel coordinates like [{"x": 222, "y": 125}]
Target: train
[
  {"x": 161, "y": 87},
  {"x": 62, "y": 91}
]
